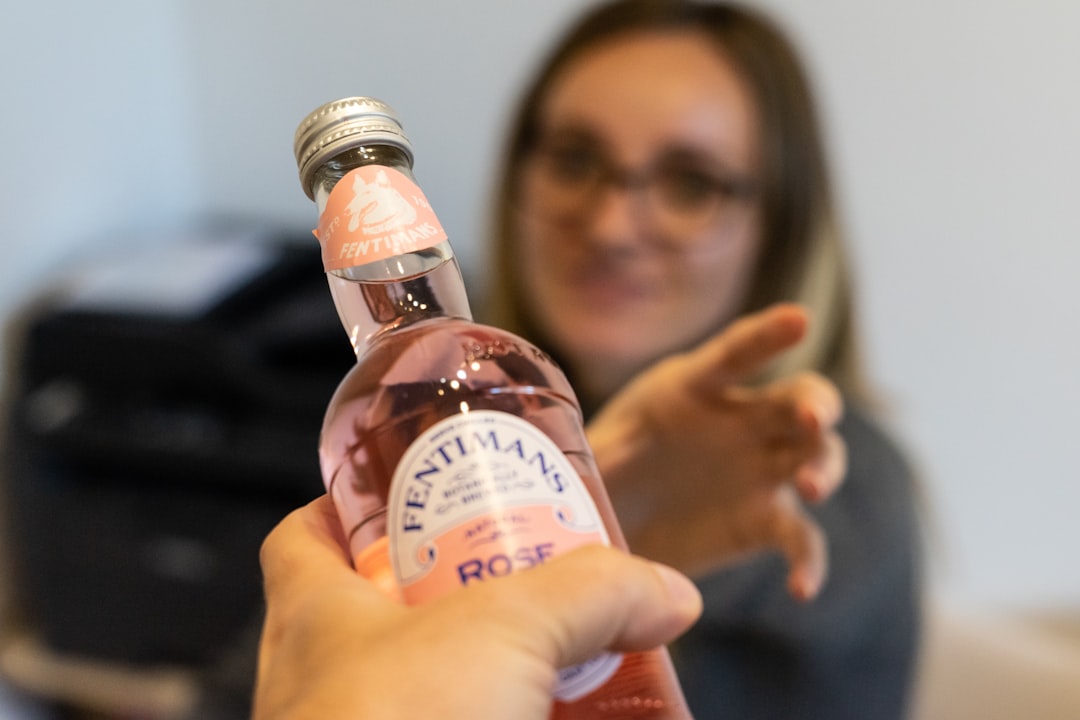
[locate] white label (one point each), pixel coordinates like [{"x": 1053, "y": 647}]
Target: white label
[{"x": 481, "y": 495}]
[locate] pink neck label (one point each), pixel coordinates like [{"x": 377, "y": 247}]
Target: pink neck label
[{"x": 375, "y": 213}]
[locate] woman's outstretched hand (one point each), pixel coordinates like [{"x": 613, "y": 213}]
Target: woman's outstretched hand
[
  {"x": 703, "y": 467},
  {"x": 334, "y": 646}
]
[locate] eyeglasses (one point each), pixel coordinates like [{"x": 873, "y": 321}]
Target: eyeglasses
[{"x": 680, "y": 194}]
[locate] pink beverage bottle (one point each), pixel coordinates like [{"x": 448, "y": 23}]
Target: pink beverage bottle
[{"x": 454, "y": 452}]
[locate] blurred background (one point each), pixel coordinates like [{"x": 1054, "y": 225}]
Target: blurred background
[{"x": 132, "y": 127}]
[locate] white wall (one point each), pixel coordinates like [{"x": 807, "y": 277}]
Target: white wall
[
  {"x": 95, "y": 122},
  {"x": 953, "y": 129},
  {"x": 954, "y": 125}
]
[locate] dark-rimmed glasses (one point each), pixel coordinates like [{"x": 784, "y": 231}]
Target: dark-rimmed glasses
[{"x": 680, "y": 194}]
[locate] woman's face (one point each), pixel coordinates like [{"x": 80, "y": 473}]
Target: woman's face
[{"x": 638, "y": 219}]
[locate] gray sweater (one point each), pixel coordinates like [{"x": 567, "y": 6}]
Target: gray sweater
[{"x": 850, "y": 653}]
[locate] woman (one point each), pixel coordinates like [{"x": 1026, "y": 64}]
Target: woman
[{"x": 665, "y": 175}]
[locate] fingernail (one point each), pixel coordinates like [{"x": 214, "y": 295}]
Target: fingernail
[
  {"x": 807, "y": 480},
  {"x": 802, "y": 587},
  {"x": 818, "y": 416},
  {"x": 681, "y": 589}
]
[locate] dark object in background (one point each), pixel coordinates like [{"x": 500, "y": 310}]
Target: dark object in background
[{"x": 160, "y": 423}]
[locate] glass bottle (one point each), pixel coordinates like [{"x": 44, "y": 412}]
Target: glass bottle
[{"x": 454, "y": 452}]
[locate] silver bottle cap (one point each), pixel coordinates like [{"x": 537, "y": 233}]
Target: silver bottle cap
[{"x": 341, "y": 125}]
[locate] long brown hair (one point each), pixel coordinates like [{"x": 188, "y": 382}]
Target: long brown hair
[{"x": 801, "y": 259}]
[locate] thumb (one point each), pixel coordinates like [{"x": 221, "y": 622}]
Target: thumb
[{"x": 592, "y": 599}]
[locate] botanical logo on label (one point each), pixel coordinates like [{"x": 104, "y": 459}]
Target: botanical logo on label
[{"x": 374, "y": 213}]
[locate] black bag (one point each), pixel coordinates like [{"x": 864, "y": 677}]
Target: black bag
[{"x": 158, "y": 425}]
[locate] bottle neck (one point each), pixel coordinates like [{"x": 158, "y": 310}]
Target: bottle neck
[{"x": 379, "y": 296}]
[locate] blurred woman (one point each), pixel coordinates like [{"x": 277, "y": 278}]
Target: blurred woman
[{"x": 664, "y": 188}]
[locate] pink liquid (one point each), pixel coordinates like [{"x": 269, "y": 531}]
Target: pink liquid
[{"x": 427, "y": 370}]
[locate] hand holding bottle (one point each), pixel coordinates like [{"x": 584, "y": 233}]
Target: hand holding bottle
[
  {"x": 334, "y": 646},
  {"x": 703, "y": 468}
]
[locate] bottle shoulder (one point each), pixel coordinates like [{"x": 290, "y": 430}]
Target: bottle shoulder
[
  {"x": 417, "y": 375},
  {"x": 461, "y": 349}
]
